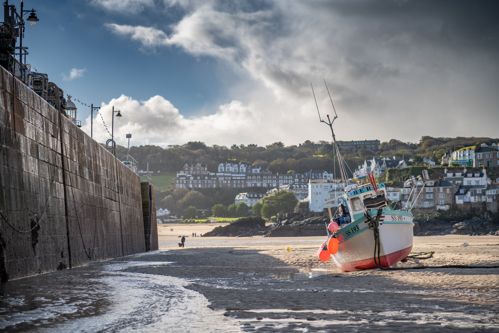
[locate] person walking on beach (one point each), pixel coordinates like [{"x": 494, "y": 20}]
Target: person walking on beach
[{"x": 182, "y": 242}]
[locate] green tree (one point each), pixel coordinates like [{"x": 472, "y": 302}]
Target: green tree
[
  {"x": 260, "y": 164},
  {"x": 195, "y": 145},
  {"x": 179, "y": 193},
  {"x": 257, "y": 209},
  {"x": 231, "y": 210},
  {"x": 242, "y": 210},
  {"x": 269, "y": 210},
  {"x": 194, "y": 198},
  {"x": 219, "y": 210},
  {"x": 278, "y": 165},
  {"x": 190, "y": 212},
  {"x": 279, "y": 203}
]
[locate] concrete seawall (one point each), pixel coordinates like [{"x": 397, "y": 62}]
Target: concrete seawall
[{"x": 64, "y": 199}]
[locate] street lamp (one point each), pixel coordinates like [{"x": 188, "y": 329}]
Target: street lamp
[
  {"x": 128, "y": 136},
  {"x": 114, "y": 114},
  {"x": 14, "y": 23},
  {"x": 32, "y": 18},
  {"x": 92, "y": 108}
]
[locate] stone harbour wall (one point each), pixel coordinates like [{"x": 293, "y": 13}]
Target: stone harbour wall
[{"x": 65, "y": 200}]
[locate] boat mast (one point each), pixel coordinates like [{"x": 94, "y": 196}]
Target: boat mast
[{"x": 329, "y": 123}]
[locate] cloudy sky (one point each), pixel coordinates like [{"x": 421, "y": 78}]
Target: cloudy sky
[{"x": 239, "y": 72}]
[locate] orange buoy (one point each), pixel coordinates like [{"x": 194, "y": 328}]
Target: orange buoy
[
  {"x": 333, "y": 245},
  {"x": 323, "y": 253}
]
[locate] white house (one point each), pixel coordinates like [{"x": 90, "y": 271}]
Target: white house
[
  {"x": 299, "y": 190},
  {"x": 477, "y": 178},
  {"x": 232, "y": 168},
  {"x": 321, "y": 192},
  {"x": 377, "y": 166},
  {"x": 162, "y": 212},
  {"x": 250, "y": 199},
  {"x": 429, "y": 162},
  {"x": 470, "y": 195},
  {"x": 463, "y": 156}
]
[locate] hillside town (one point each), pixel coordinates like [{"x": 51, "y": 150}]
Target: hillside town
[{"x": 461, "y": 181}]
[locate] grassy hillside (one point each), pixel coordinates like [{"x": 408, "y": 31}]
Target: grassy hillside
[{"x": 163, "y": 182}]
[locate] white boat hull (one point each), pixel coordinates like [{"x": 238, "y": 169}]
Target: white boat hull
[{"x": 357, "y": 243}]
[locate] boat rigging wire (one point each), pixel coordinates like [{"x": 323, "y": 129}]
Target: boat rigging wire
[{"x": 329, "y": 123}]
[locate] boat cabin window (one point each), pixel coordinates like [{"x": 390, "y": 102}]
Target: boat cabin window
[
  {"x": 356, "y": 204},
  {"x": 342, "y": 216},
  {"x": 378, "y": 201},
  {"x": 342, "y": 210}
]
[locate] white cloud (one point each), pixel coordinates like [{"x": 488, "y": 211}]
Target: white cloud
[
  {"x": 74, "y": 73},
  {"x": 147, "y": 36},
  {"x": 123, "y": 6},
  {"x": 157, "y": 121},
  {"x": 395, "y": 71},
  {"x": 149, "y": 121}
]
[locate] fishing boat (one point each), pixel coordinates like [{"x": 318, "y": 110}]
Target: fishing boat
[
  {"x": 366, "y": 231},
  {"x": 377, "y": 236}
]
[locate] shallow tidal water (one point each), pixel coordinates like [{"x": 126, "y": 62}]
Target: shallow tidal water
[{"x": 109, "y": 299}]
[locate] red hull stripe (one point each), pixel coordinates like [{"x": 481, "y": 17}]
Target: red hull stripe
[{"x": 386, "y": 261}]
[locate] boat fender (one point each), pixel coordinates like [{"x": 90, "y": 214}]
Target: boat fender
[
  {"x": 323, "y": 253},
  {"x": 333, "y": 227},
  {"x": 333, "y": 245}
]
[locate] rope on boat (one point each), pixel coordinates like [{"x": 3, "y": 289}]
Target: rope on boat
[
  {"x": 420, "y": 255},
  {"x": 374, "y": 224},
  {"x": 428, "y": 255}
]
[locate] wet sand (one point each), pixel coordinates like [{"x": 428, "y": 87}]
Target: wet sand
[
  {"x": 257, "y": 284},
  {"x": 292, "y": 262}
]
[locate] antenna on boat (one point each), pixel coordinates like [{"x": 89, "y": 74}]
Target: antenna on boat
[
  {"x": 329, "y": 123},
  {"x": 316, "y": 105},
  {"x": 331, "y": 99}
]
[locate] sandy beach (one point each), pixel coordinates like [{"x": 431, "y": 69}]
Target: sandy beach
[
  {"x": 293, "y": 258},
  {"x": 258, "y": 284}
]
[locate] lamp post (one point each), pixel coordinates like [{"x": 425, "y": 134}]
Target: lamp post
[
  {"x": 13, "y": 20},
  {"x": 118, "y": 114},
  {"x": 128, "y": 136},
  {"x": 92, "y": 108}
]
